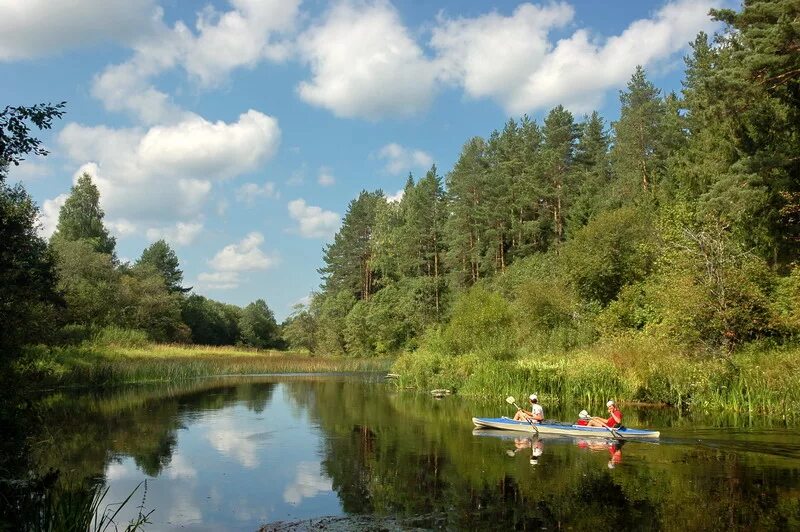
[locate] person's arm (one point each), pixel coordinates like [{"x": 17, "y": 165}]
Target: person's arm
[{"x": 617, "y": 416}]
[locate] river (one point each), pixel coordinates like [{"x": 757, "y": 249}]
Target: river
[{"x": 350, "y": 452}]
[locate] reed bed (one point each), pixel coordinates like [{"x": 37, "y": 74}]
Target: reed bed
[
  {"x": 103, "y": 365},
  {"x": 758, "y": 381}
]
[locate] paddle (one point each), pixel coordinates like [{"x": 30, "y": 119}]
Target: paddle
[{"x": 510, "y": 400}]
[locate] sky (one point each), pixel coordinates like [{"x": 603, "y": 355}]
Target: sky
[{"x": 239, "y": 130}]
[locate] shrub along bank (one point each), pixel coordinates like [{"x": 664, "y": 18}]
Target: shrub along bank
[{"x": 759, "y": 381}]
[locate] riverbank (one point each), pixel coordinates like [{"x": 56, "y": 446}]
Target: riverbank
[
  {"x": 757, "y": 380},
  {"x": 106, "y": 364}
]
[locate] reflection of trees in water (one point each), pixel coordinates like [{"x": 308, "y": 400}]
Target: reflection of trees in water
[
  {"x": 140, "y": 422},
  {"x": 404, "y": 455}
]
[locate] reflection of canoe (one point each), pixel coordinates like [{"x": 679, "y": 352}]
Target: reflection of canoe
[{"x": 505, "y": 423}]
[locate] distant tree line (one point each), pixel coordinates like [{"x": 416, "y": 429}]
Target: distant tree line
[
  {"x": 679, "y": 220},
  {"x": 73, "y": 287}
]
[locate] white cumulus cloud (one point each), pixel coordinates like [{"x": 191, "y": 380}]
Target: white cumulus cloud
[
  {"x": 325, "y": 177},
  {"x": 33, "y": 28},
  {"x": 243, "y": 256},
  {"x": 313, "y": 221},
  {"x": 165, "y": 174},
  {"x": 250, "y": 32},
  {"x": 396, "y": 197},
  {"x": 219, "y": 280},
  {"x": 400, "y": 159},
  {"x": 181, "y": 234},
  {"x": 48, "y": 215},
  {"x": 250, "y": 192},
  {"x": 513, "y": 60},
  {"x": 365, "y": 64},
  {"x": 122, "y": 227}
]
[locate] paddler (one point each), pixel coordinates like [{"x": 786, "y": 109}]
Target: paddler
[
  {"x": 614, "y": 417},
  {"x": 534, "y": 415}
]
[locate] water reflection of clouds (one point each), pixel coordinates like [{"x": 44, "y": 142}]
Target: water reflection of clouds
[
  {"x": 118, "y": 471},
  {"x": 182, "y": 510},
  {"x": 308, "y": 483},
  {"x": 233, "y": 469},
  {"x": 179, "y": 467},
  {"x": 234, "y": 442}
]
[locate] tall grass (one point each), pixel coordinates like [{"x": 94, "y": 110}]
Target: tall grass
[
  {"x": 763, "y": 381},
  {"x": 93, "y": 364}
]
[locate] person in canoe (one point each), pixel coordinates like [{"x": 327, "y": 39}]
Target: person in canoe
[
  {"x": 534, "y": 415},
  {"x": 614, "y": 419}
]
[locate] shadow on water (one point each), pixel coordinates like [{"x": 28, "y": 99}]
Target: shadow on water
[{"x": 334, "y": 452}]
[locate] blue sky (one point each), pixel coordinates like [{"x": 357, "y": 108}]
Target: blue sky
[{"x": 239, "y": 130}]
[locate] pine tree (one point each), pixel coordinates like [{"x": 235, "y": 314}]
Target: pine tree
[
  {"x": 592, "y": 171},
  {"x": 161, "y": 256},
  {"x": 81, "y": 217},
  {"x": 638, "y": 153},
  {"x": 758, "y": 77},
  {"x": 349, "y": 259},
  {"x": 466, "y": 205},
  {"x": 424, "y": 221},
  {"x": 531, "y": 223},
  {"x": 557, "y": 158}
]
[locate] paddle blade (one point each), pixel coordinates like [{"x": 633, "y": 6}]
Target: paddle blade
[{"x": 510, "y": 400}]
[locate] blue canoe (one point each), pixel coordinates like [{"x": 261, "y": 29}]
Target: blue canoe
[{"x": 504, "y": 423}]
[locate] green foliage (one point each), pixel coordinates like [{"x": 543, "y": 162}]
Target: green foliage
[
  {"x": 592, "y": 173},
  {"x": 299, "y": 329},
  {"x": 15, "y": 135},
  {"x": 349, "y": 259},
  {"x": 162, "y": 257},
  {"x": 639, "y": 153},
  {"x": 81, "y": 218},
  {"x": 612, "y": 251},
  {"x": 89, "y": 282},
  {"x": 210, "y": 322},
  {"x": 147, "y": 303},
  {"x": 331, "y": 312},
  {"x": 113, "y": 336},
  {"x": 257, "y": 325},
  {"x": 786, "y": 303},
  {"x": 27, "y": 275},
  {"x": 711, "y": 292},
  {"x": 479, "y": 324}
]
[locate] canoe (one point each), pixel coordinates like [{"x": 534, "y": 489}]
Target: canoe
[{"x": 504, "y": 423}]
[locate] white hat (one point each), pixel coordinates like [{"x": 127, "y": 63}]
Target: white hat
[
  {"x": 610, "y": 402},
  {"x": 584, "y": 414},
  {"x": 534, "y": 461},
  {"x": 533, "y": 397}
]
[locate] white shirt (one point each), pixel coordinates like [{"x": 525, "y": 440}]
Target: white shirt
[{"x": 537, "y": 410}]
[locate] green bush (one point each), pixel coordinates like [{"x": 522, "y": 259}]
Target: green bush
[
  {"x": 480, "y": 323},
  {"x": 615, "y": 249},
  {"x": 119, "y": 337}
]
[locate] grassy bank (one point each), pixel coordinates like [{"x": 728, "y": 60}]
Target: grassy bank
[
  {"x": 104, "y": 364},
  {"x": 754, "y": 381}
]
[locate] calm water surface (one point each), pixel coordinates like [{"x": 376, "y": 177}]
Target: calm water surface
[{"x": 240, "y": 453}]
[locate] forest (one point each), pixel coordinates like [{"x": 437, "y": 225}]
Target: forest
[
  {"x": 671, "y": 232},
  {"x": 668, "y": 236}
]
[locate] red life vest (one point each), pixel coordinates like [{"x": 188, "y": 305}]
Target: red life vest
[{"x": 612, "y": 422}]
